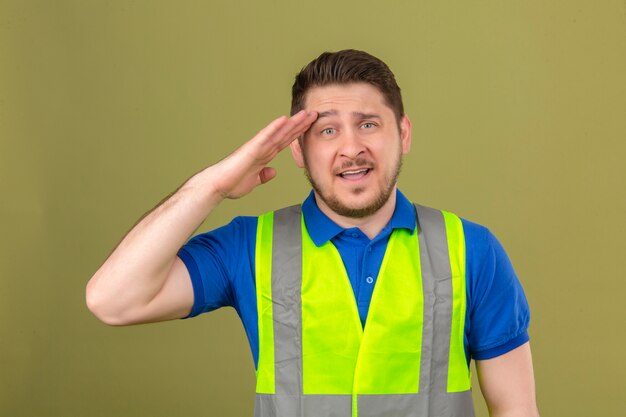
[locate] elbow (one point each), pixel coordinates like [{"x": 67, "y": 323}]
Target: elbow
[{"x": 102, "y": 308}]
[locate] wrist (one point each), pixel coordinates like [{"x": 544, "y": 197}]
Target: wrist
[{"x": 202, "y": 186}]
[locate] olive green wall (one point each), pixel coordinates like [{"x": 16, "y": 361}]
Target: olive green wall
[{"x": 518, "y": 110}]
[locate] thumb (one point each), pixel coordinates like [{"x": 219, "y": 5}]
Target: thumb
[{"x": 267, "y": 174}]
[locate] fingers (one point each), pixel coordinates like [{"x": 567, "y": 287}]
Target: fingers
[
  {"x": 300, "y": 127},
  {"x": 267, "y": 174},
  {"x": 282, "y": 131},
  {"x": 296, "y": 126}
]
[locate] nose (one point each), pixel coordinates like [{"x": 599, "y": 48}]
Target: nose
[{"x": 351, "y": 145}]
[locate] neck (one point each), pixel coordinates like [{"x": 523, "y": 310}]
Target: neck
[{"x": 370, "y": 225}]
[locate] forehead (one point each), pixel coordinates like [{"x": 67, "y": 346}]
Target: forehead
[{"x": 348, "y": 97}]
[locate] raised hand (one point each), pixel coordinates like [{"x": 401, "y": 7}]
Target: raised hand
[
  {"x": 143, "y": 280},
  {"x": 243, "y": 170}
]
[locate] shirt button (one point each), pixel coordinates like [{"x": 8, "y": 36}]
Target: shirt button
[
  {"x": 355, "y": 234},
  {"x": 369, "y": 249},
  {"x": 369, "y": 280}
]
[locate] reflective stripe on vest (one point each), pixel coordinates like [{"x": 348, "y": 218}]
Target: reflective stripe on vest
[{"x": 315, "y": 359}]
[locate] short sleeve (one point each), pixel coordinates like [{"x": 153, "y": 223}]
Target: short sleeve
[
  {"x": 498, "y": 313},
  {"x": 216, "y": 261}
]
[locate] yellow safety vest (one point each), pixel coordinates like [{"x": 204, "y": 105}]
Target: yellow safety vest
[{"x": 315, "y": 358}]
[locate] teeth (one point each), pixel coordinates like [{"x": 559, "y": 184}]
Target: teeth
[{"x": 359, "y": 171}]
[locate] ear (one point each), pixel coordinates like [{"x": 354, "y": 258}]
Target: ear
[
  {"x": 405, "y": 134},
  {"x": 296, "y": 152}
]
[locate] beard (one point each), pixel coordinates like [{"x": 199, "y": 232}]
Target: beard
[{"x": 371, "y": 207}]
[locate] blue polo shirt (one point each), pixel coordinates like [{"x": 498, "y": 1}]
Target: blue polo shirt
[{"x": 221, "y": 266}]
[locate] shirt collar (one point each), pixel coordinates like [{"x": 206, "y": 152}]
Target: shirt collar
[{"x": 322, "y": 229}]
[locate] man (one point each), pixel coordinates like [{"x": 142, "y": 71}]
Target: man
[{"x": 303, "y": 278}]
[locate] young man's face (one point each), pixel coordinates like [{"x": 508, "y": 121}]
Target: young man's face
[{"x": 353, "y": 151}]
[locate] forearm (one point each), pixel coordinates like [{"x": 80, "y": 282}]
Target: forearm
[{"x": 137, "y": 269}]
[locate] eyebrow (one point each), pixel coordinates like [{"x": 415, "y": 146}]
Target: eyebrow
[{"x": 356, "y": 114}]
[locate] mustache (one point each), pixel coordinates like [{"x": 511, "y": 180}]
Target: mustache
[{"x": 356, "y": 163}]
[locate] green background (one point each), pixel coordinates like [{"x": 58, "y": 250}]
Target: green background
[{"x": 518, "y": 111}]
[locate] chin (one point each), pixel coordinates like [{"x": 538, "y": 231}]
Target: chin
[
  {"x": 349, "y": 208},
  {"x": 354, "y": 202}
]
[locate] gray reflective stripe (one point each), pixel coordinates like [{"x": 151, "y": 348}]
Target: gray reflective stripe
[
  {"x": 457, "y": 404},
  {"x": 286, "y": 303},
  {"x": 454, "y": 404},
  {"x": 269, "y": 405},
  {"x": 437, "y": 285}
]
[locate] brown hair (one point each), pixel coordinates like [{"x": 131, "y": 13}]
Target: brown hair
[{"x": 345, "y": 67}]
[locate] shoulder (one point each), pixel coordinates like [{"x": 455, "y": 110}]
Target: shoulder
[
  {"x": 479, "y": 240},
  {"x": 496, "y": 302},
  {"x": 486, "y": 259},
  {"x": 225, "y": 243},
  {"x": 497, "y": 316},
  {"x": 218, "y": 262},
  {"x": 222, "y": 249}
]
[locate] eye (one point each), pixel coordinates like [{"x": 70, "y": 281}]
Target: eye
[
  {"x": 368, "y": 125},
  {"x": 328, "y": 131}
]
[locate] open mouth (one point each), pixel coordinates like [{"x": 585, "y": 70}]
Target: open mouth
[{"x": 354, "y": 174}]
